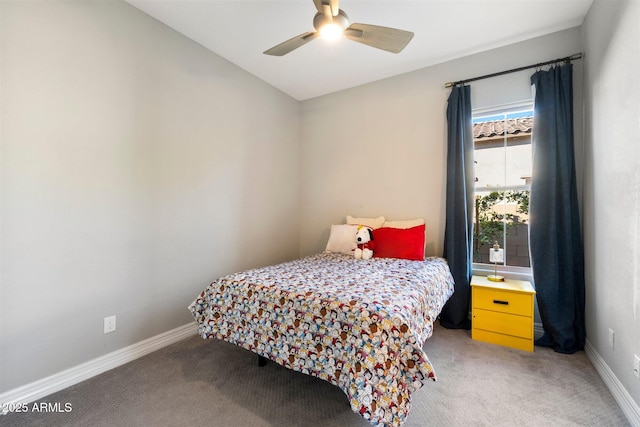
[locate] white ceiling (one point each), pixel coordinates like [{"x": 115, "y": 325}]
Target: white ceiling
[{"x": 240, "y": 30}]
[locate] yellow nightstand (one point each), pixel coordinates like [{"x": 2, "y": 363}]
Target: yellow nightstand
[{"x": 502, "y": 312}]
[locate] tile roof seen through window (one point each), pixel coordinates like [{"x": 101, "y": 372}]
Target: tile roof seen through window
[{"x": 490, "y": 129}]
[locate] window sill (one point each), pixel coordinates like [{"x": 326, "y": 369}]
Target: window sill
[{"x": 516, "y": 273}]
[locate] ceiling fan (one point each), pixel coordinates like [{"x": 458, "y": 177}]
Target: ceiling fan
[{"x": 331, "y": 22}]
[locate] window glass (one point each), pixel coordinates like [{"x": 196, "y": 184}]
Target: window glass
[{"x": 502, "y": 155}]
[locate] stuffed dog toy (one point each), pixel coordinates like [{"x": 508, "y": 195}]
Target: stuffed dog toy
[{"x": 364, "y": 240}]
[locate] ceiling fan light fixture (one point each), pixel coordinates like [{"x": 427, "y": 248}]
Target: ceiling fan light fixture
[
  {"x": 331, "y": 32},
  {"x": 331, "y": 27}
]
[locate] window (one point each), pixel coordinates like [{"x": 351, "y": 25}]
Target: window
[{"x": 502, "y": 155}]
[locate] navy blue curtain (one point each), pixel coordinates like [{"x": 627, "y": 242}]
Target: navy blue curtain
[
  {"x": 557, "y": 257},
  {"x": 458, "y": 235}
]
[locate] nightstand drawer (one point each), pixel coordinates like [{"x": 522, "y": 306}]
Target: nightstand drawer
[
  {"x": 502, "y": 301},
  {"x": 505, "y": 340},
  {"x": 508, "y": 324}
]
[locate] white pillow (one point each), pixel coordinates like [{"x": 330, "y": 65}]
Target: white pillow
[
  {"x": 342, "y": 239},
  {"x": 404, "y": 224},
  {"x": 369, "y": 222}
]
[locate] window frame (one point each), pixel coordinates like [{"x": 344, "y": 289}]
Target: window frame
[{"x": 513, "y": 272}]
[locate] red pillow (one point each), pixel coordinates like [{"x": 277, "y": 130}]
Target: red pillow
[{"x": 405, "y": 243}]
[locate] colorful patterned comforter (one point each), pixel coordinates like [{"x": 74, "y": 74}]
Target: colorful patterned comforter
[{"x": 359, "y": 324}]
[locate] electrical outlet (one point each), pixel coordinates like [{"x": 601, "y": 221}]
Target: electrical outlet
[
  {"x": 109, "y": 324},
  {"x": 636, "y": 365},
  {"x": 611, "y": 338}
]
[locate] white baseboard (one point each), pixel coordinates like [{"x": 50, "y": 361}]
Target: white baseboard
[
  {"x": 46, "y": 386},
  {"x": 538, "y": 330},
  {"x": 620, "y": 394}
]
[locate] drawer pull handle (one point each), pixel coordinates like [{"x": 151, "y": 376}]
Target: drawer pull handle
[{"x": 497, "y": 301}]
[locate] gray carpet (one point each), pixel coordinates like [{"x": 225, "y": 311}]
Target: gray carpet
[{"x": 196, "y": 383}]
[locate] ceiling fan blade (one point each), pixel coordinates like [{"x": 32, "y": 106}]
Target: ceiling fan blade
[
  {"x": 291, "y": 44},
  {"x": 385, "y": 38}
]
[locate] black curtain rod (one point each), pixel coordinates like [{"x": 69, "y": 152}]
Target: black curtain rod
[{"x": 565, "y": 59}]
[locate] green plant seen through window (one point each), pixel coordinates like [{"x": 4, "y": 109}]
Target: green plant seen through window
[{"x": 490, "y": 220}]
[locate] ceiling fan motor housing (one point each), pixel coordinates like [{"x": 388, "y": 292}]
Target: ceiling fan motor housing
[{"x": 322, "y": 19}]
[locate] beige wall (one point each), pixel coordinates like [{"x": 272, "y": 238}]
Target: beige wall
[
  {"x": 380, "y": 149},
  {"x": 612, "y": 184},
  {"x": 136, "y": 166}
]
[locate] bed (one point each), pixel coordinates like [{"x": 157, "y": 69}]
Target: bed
[{"x": 358, "y": 324}]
